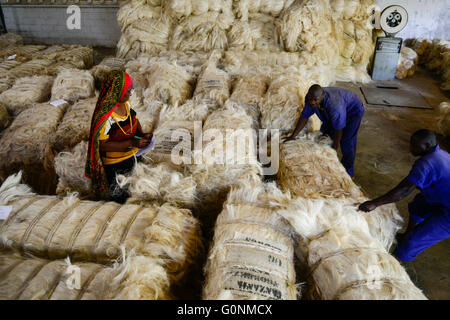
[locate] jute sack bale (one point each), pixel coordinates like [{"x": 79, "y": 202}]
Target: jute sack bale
[
  {"x": 159, "y": 183},
  {"x": 73, "y": 84},
  {"x": 252, "y": 254},
  {"x": 213, "y": 84},
  {"x": 204, "y": 32},
  {"x": 9, "y": 38},
  {"x": 168, "y": 83},
  {"x": 345, "y": 262},
  {"x": 310, "y": 168},
  {"x": 69, "y": 167},
  {"x": 54, "y": 227},
  {"x": 25, "y": 92},
  {"x": 26, "y": 145},
  {"x": 75, "y": 125},
  {"x": 136, "y": 278},
  {"x": 5, "y": 118},
  {"x": 444, "y": 119}
]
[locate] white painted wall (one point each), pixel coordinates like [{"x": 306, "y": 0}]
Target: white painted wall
[{"x": 427, "y": 18}]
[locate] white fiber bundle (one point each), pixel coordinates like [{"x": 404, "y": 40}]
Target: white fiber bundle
[
  {"x": 101, "y": 71},
  {"x": 351, "y": 74},
  {"x": 54, "y": 227},
  {"x": 444, "y": 119},
  {"x": 79, "y": 56},
  {"x": 252, "y": 254},
  {"x": 406, "y": 63},
  {"x": 192, "y": 110},
  {"x": 310, "y": 168},
  {"x": 25, "y": 145},
  {"x": 161, "y": 183},
  {"x": 258, "y": 33},
  {"x": 75, "y": 125},
  {"x": 201, "y": 33},
  {"x": 146, "y": 35},
  {"x": 25, "y": 92},
  {"x": 30, "y": 68},
  {"x": 73, "y": 84},
  {"x": 147, "y": 115},
  {"x": 344, "y": 260},
  {"x": 136, "y": 278},
  {"x": 10, "y": 39},
  {"x": 213, "y": 84},
  {"x": 5, "y": 118},
  {"x": 70, "y": 166},
  {"x": 6, "y": 81},
  {"x": 242, "y": 8},
  {"x": 168, "y": 83},
  {"x": 136, "y": 10},
  {"x": 284, "y": 100}
]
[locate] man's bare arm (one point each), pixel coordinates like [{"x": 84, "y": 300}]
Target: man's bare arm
[{"x": 301, "y": 123}]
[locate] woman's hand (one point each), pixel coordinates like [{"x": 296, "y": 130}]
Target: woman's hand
[
  {"x": 140, "y": 143},
  {"x": 367, "y": 206},
  {"x": 148, "y": 135}
]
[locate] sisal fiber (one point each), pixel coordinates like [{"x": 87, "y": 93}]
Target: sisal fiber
[{"x": 73, "y": 84}]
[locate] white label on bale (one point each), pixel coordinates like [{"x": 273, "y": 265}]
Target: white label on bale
[
  {"x": 246, "y": 282},
  {"x": 5, "y": 211},
  {"x": 267, "y": 244},
  {"x": 12, "y": 57},
  {"x": 253, "y": 256},
  {"x": 59, "y": 102}
]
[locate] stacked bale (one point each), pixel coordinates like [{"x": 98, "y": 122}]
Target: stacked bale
[
  {"x": 30, "y": 68},
  {"x": 310, "y": 168},
  {"x": 26, "y": 92},
  {"x": 345, "y": 262},
  {"x": 55, "y": 228},
  {"x": 75, "y": 125},
  {"x": 9, "y": 39},
  {"x": 73, "y": 84},
  {"x": 5, "y": 118},
  {"x": 135, "y": 278},
  {"x": 101, "y": 71},
  {"x": 26, "y": 145},
  {"x": 252, "y": 254},
  {"x": 444, "y": 119}
]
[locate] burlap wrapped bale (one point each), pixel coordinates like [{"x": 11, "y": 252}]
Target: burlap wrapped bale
[
  {"x": 252, "y": 254},
  {"x": 26, "y": 145},
  {"x": 25, "y": 92}
]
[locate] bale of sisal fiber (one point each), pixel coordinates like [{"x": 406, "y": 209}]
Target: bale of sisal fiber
[
  {"x": 243, "y": 8},
  {"x": 192, "y": 110},
  {"x": 73, "y": 84},
  {"x": 25, "y": 145},
  {"x": 168, "y": 83},
  {"x": 5, "y": 118},
  {"x": 75, "y": 125},
  {"x": 213, "y": 84},
  {"x": 407, "y": 63},
  {"x": 25, "y": 92},
  {"x": 134, "y": 278},
  {"x": 284, "y": 100},
  {"x": 204, "y": 32},
  {"x": 101, "y": 71},
  {"x": 6, "y": 81},
  {"x": 9, "y": 39},
  {"x": 310, "y": 168},
  {"x": 54, "y": 227},
  {"x": 160, "y": 183},
  {"x": 147, "y": 115},
  {"x": 252, "y": 254},
  {"x": 70, "y": 166},
  {"x": 345, "y": 262},
  {"x": 80, "y": 56},
  {"x": 444, "y": 119}
]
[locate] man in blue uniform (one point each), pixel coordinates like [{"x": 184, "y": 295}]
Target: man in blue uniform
[
  {"x": 340, "y": 111},
  {"x": 429, "y": 221}
]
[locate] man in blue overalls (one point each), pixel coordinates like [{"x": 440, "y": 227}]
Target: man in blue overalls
[
  {"x": 429, "y": 221},
  {"x": 340, "y": 111}
]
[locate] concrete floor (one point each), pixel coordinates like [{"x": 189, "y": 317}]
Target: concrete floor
[{"x": 383, "y": 160}]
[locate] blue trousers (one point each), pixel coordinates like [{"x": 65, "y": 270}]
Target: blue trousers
[
  {"x": 348, "y": 142},
  {"x": 433, "y": 226}
]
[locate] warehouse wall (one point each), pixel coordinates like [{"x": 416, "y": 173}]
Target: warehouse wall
[
  {"x": 427, "y": 18},
  {"x": 47, "y": 24}
]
